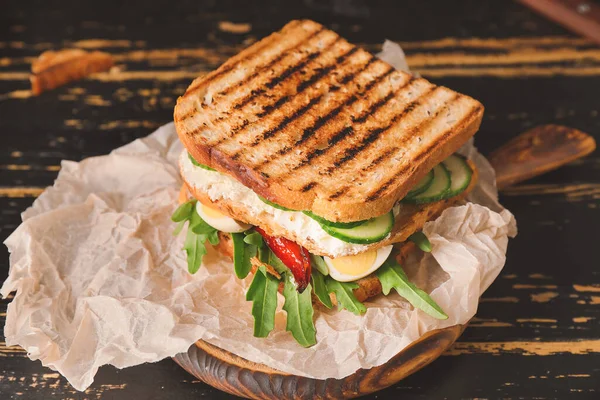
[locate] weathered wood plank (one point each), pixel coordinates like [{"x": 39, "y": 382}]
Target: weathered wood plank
[{"x": 548, "y": 291}]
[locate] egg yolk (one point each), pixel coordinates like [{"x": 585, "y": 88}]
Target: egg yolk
[
  {"x": 355, "y": 265},
  {"x": 211, "y": 212}
]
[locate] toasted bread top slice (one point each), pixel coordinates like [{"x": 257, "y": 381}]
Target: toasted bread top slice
[
  {"x": 312, "y": 122},
  {"x": 409, "y": 219}
]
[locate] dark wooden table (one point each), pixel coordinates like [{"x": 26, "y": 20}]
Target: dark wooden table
[{"x": 537, "y": 332}]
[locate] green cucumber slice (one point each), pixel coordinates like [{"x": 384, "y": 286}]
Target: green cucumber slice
[
  {"x": 197, "y": 164},
  {"x": 460, "y": 173},
  {"x": 437, "y": 191},
  {"x": 422, "y": 185},
  {"x": 371, "y": 231},
  {"x": 332, "y": 224},
  {"x": 274, "y": 205}
]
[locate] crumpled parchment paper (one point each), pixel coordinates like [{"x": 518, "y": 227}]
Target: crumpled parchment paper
[{"x": 100, "y": 279}]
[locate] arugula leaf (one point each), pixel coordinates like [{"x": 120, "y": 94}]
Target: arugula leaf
[
  {"x": 179, "y": 227},
  {"x": 391, "y": 275},
  {"x": 242, "y": 253},
  {"x": 263, "y": 254},
  {"x": 263, "y": 294},
  {"x": 345, "y": 296},
  {"x": 254, "y": 238},
  {"x": 194, "y": 246},
  {"x": 198, "y": 233},
  {"x": 276, "y": 263},
  {"x": 320, "y": 288},
  {"x": 300, "y": 311},
  {"x": 184, "y": 211},
  {"x": 202, "y": 227},
  {"x": 421, "y": 241},
  {"x": 319, "y": 263},
  {"x": 213, "y": 238}
]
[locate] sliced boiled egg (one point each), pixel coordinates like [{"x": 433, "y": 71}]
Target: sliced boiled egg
[
  {"x": 220, "y": 221},
  {"x": 351, "y": 268}
]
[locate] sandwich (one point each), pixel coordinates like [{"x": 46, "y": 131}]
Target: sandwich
[{"x": 314, "y": 165}]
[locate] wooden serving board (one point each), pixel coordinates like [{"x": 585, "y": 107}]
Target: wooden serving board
[{"x": 530, "y": 154}]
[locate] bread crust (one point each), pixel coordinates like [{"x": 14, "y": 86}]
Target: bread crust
[{"x": 268, "y": 153}]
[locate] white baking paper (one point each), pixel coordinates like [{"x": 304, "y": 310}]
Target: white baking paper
[{"x": 99, "y": 278}]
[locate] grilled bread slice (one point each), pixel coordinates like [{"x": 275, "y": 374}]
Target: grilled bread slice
[
  {"x": 312, "y": 122},
  {"x": 410, "y": 219}
]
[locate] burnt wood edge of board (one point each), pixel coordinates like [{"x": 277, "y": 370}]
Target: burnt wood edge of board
[{"x": 233, "y": 374}]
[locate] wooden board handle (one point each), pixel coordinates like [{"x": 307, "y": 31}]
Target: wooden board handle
[
  {"x": 537, "y": 151},
  {"x": 579, "y": 16}
]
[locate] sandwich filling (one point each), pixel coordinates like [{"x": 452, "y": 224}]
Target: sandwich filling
[
  {"x": 221, "y": 186},
  {"x": 278, "y": 262}
]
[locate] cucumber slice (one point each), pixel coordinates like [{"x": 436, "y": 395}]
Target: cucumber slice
[
  {"x": 197, "y": 164},
  {"x": 371, "y": 231},
  {"x": 332, "y": 224},
  {"x": 460, "y": 173},
  {"x": 274, "y": 205},
  {"x": 422, "y": 185},
  {"x": 438, "y": 190}
]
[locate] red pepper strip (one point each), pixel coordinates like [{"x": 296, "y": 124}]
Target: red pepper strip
[{"x": 294, "y": 256}]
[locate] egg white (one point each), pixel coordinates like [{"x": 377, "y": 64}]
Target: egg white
[
  {"x": 222, "y": 223},
  {"x": 382, "y": 254}
]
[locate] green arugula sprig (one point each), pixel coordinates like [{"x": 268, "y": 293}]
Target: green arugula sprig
[
  {"x": 299, "y": 309},
  {"x": 392, "y": 276},
  {"x": 319, "y": 286},
  {"x": 345, "y": 296},
  {"x": 264, "y": 287},
  {"x": 197, "y": 234},
  {"x": 263, "y": 295},
  {"x": 421, "y": 241},
  {"x": 323, "y": 285}
]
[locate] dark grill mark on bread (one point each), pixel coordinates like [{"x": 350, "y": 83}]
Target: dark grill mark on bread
[
  {"x": 255, "y": 52},
  {"x": 308, "y": 186},
  {"x": 268, "y": 109},
  {"x": 288, "y": 72},
  {"x": 265, "y": 67},
  {"x": 383, "y": 156},
  {"x": 372, "y": 136},
  {"x": 301, "y": 88},
  {"x": 375, "y": 195},
  {"x": 367, "y": 113},
  {"x": 325, "y": 70},
  {"x": 297, "y": 113},
  {"x": 323, "y": 119},
  {"x": 338, "y": 193},
  {"x": 272, "y": 107},
  {"x": 346, "y": 130}
]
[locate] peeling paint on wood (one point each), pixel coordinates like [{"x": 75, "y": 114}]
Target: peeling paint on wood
[
  {"x": 582, "y": 320},
  {"x": 21, "y": 192},
  {"x": 587, "y": 288},
  {"x": 508, "y": 299},
  {"x": 528, "y": 286},
  {"x": 543, "y": 297},
  {"x": 526, "y": 348},
  {"x": 537, "y": 320}
]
